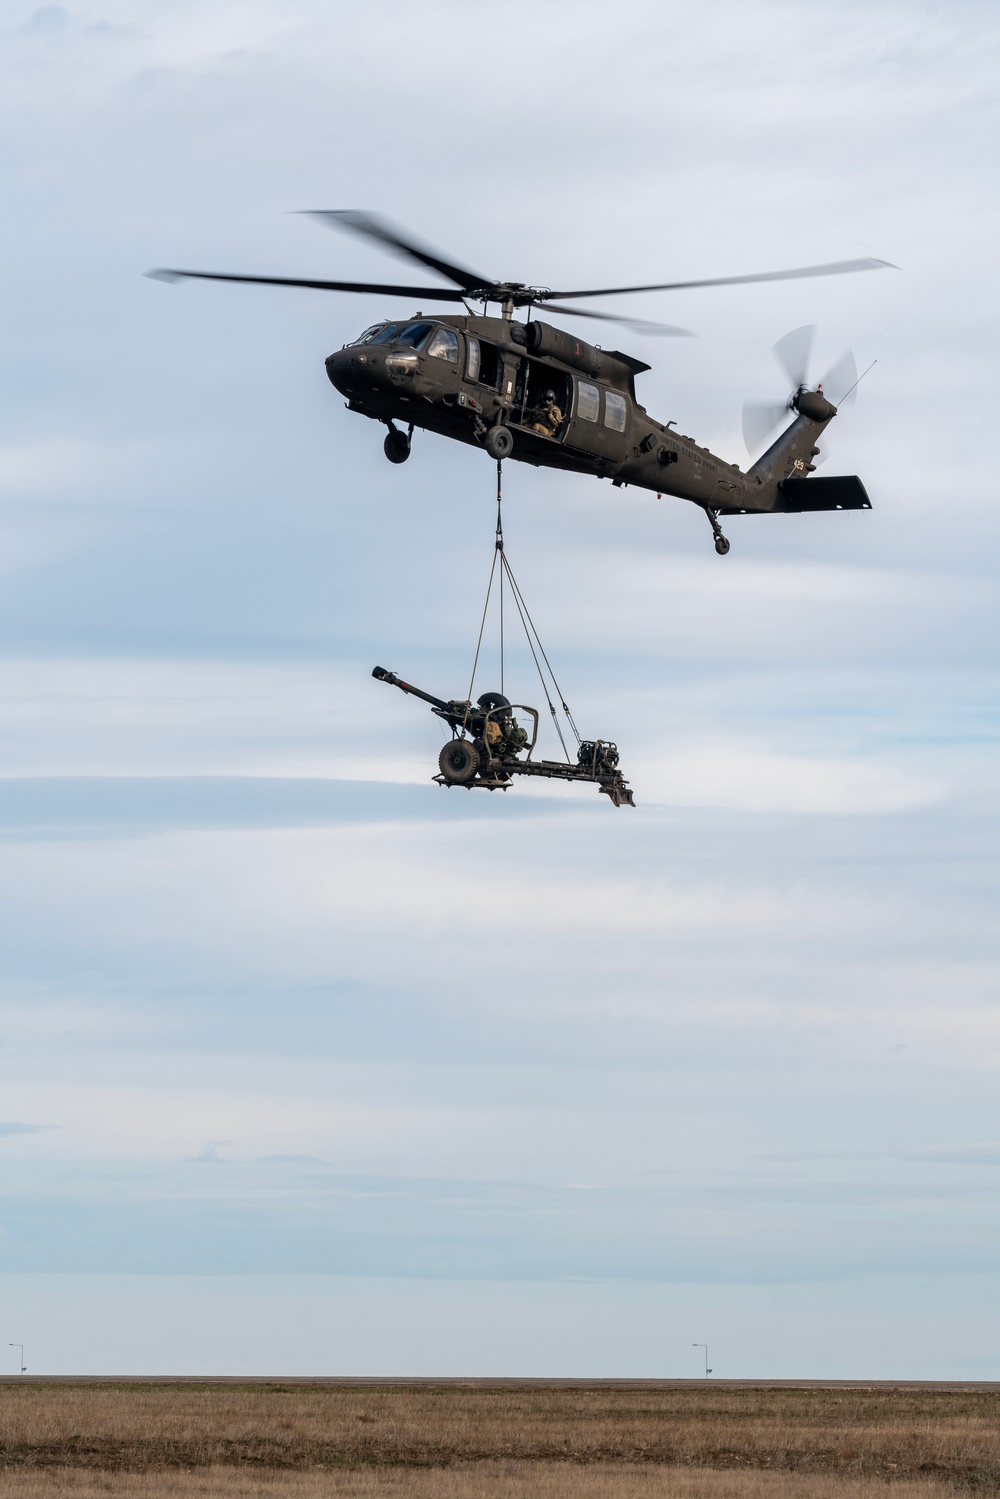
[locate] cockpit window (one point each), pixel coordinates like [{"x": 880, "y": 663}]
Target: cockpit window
[
  {"x": 413, "y": 334},
  {"x": 387, "y": 334},
  {"x": 368, "y": 335},
  {"x": 444, "y": 345}
]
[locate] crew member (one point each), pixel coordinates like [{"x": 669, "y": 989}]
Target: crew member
[{"x": 548, "y": 415}]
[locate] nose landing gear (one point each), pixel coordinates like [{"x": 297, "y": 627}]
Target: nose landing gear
[
  {"x": 397, "y": 444},
  {"x": 721, "y": 542}
]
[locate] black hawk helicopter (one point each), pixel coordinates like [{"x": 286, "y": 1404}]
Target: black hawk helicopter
[{"x": 532, "y": 392}]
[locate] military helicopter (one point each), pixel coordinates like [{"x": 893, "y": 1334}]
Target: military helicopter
[{"x": 535, "y": 393}]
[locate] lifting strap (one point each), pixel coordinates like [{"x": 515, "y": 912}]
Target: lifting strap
[{"x": 527, "y": 624}]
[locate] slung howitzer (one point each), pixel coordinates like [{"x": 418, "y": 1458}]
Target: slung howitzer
[{"x": 487, "y": 744}]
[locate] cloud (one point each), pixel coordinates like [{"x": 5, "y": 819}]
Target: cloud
[
  {"x": 987, "y": 1154},
  {"x": 209, "y": 1154},
  {"x": 103, "y": 807},
  {"x": 954, "y": 1155},
  {"x": 746, "y": 779},
  {"x": 25, "y": 1129},
  {"x": 46, "y": 21},
  {"x": 290, "y": 1160}
]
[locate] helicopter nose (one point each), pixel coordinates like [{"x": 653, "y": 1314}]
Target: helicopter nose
[{"x": 337, "y": 367}]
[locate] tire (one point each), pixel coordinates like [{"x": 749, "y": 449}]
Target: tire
[
  {"x": 490, "y": 700},
  {"x": 459, "y": 762},
  {"x": 721, "y": 545},
  {"x": 499, "y": 442},
  {"x": 396, "y": 447}
]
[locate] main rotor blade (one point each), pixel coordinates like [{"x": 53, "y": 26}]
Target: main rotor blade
[
  {"x": 759, "y": 420},
  {"x": 835, "y": 268},
  {"x": 371, "y": 227},
  {"x": 428, "y": 293},
  {"x": 639, "y": 324},
  {"x": 840, "y": 382},
  {"x": 792, "y": 353}
]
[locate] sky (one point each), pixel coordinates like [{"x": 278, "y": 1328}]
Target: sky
[{"x": 310, "y": 1066}]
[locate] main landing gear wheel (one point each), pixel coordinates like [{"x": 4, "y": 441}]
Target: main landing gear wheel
[
  {"x": 499, "y": 442},
  {"x": 459, "y": 762},
  {"x": 396, "y": 446}
]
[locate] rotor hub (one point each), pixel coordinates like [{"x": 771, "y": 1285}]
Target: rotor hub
[{"x": 814, "y": 405}]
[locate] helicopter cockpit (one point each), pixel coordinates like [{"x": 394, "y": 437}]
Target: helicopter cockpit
[
  {"x": 410, "y": 335},
  {"x": 442, "y": 343}
]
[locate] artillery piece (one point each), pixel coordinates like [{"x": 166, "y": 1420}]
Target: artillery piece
[{"x": 488, "y": 743}]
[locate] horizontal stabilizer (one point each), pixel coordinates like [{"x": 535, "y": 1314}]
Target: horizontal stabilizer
[{"x": 840, "y": 492}]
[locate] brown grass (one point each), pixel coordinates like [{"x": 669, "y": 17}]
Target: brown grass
[
  {"x": 458, "y": 1442},
  {"x": 484, "y": 1481}
]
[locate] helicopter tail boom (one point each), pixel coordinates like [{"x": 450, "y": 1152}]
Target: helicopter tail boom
[{"x": 789, "y": 461}]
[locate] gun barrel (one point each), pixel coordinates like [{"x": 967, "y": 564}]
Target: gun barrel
[{"x": 381, "y": 675}]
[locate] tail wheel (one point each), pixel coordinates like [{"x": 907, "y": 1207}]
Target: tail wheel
[{"x": 459, "y": 762}]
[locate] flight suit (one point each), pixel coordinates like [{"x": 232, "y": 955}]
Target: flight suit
[{"x": 548, "y": 419}]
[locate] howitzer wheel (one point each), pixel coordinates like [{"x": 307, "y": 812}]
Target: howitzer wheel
[
  {"x": 459, "y": 762},
  {"x": 490, "y": 700}
]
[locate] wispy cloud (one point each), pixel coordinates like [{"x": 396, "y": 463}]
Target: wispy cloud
[{"x": 209, "y": 1154}]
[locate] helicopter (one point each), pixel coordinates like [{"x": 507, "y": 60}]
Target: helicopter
[{"x": 532, "y": 392}]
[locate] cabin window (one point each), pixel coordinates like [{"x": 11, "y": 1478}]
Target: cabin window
[
  {"x": 489, "y": 365},
  {"x": 414, "y": 334},
  {"x": 615, "y": 411},
  {"x": 444, "y": 345},
  {"x": 588, "y": 401},
  {"x": 472, "y": 359}
]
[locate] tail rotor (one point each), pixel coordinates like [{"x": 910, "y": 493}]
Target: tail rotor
[{"x": 793, "y": 352}]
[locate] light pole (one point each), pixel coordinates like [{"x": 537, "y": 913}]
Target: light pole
[
  {"x": 705, "y": 1346},
  {"x": 20, "y": 1348}
]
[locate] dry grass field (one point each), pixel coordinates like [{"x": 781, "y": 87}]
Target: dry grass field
[
  {"x": 485, "y": 1481},
  {"x": 459, "y": 1442}
]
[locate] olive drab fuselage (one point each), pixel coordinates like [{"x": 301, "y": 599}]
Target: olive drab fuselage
[
  {"x": 461, "y": 376},
  {"x": 529, "y": 391}
]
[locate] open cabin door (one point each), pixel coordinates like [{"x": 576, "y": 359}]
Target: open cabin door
[{"x": 541, "y": 399}]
